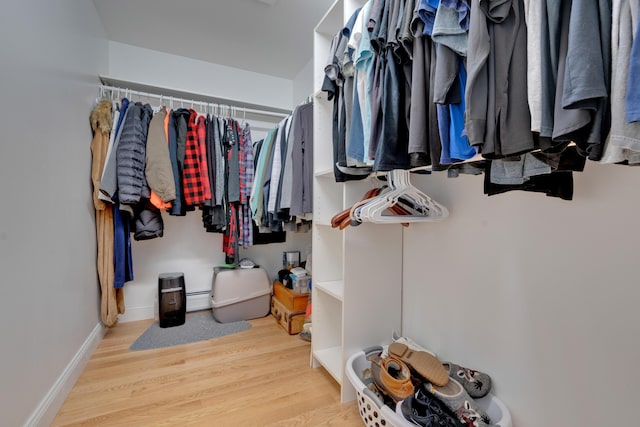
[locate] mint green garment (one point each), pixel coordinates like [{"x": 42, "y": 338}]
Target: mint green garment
[
  {"x": 364, "y": 67},
  {"x": 257, "y": 195}
]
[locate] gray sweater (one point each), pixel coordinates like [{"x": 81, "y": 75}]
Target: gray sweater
[{"x": 158, "y": 165}]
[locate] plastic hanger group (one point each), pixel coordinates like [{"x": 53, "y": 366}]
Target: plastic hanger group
[{"x": 403, "y": 203}]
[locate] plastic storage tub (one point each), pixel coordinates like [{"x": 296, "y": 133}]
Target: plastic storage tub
[
  {"x": 240, "y": 294},
  {"x": 376, "y": 414}
]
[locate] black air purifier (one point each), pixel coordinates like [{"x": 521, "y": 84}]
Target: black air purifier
[{"x": 172, "y": 299}]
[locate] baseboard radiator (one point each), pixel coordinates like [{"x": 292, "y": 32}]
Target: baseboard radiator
[{"x": 198, "y": 300}]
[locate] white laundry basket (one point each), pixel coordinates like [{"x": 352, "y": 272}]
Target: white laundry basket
[{"x": 375, "y": 413}]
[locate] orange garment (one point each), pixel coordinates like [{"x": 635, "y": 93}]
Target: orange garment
[{"x": 158, "y": 203}]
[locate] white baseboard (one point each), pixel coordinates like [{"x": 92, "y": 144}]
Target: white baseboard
[
  {"x": 199, "y": 301},
  {"x": 52, "y": 402},
  {"x": 136, "y": 313}
]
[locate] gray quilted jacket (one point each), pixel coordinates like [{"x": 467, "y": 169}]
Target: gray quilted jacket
[{"x": 131, "y": 152}]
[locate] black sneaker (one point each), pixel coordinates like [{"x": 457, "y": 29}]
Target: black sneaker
[{"x": 426, "y": 410}]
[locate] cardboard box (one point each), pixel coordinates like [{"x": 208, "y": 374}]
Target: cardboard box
[{"x": 293, "y": 301}]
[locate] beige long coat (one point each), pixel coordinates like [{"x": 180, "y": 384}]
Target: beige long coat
[{"x": 111, "y": 299}]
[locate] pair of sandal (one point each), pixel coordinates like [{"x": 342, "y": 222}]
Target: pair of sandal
[
  {"x": 427, "y": 366},
  {"x": 392, "y": 377},
  {"x": 445, "y": 386},
  {"x": 392, "y": 374}
]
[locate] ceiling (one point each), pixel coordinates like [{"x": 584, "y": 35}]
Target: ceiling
[{"x": 273, "y": 37}]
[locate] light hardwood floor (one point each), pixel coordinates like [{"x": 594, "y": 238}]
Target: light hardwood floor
[{"x": 258, "y": 377}]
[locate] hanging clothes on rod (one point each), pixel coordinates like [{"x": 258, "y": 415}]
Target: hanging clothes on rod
[
  {"x": 282, "y": 197},
  {"x": 524, "y": 93},
  {"x": 157, "y": 160}
]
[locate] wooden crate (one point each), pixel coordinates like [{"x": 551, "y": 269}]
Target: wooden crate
[
  {"x": 293, "y": 301},
  {"x": 291, "y": 321}
]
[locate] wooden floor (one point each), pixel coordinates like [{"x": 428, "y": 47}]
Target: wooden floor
[{"x": 258, "y": 377}]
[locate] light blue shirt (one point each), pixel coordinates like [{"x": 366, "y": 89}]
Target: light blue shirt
[{"x": 632, "y": 98}]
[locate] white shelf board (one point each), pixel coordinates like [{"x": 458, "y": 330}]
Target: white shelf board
[
  {"x": 334, "y": 288},
  {"x": 331, "y": 360},
  {"x": 326, "y": 173},
  {"x": 320, "y": 94},
  {"x": 332, "y": 21}
]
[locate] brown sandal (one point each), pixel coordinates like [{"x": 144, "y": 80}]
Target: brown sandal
[
  {"x": 392, "y": 377},
  {"x": 422, "y": 363}
]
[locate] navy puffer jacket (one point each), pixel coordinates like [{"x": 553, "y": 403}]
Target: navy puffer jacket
[{"x": 130, "y": 155}]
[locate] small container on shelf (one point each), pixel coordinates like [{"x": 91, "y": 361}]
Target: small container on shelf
[
  {"x": 301, "y": 284},
  {"x": 300, "y": 280}
]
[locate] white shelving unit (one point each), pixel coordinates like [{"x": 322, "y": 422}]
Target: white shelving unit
[{"x": 357, "y": 272}]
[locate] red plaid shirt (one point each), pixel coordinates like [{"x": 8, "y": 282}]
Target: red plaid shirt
[
  {"x": 191, "y": 179},
  {"x": 204, "y": 167},
  {"x": 230, "y": 237}
]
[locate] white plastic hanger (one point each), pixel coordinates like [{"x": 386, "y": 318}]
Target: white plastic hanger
[
  {"x": 420, "y": 206},
  {"x": 361, "y": 211},
  {"x": 100, "y": 96}
]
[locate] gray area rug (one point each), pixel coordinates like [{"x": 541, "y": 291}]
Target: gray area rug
[{"x": 198, "y": 326}]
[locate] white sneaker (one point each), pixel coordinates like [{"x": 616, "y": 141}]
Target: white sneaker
[{"x": 410, "y": 343}]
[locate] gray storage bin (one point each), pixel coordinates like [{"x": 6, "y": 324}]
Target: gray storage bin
[{"x": 240, "y": 294}]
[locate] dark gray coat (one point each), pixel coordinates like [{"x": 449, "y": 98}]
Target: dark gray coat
[{"x": 130, "y": 156}]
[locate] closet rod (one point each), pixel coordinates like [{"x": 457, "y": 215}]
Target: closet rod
[{"x": 230, "y": 108}]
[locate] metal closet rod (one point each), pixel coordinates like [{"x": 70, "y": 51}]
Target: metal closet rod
[{"x": 171, "y": 99}]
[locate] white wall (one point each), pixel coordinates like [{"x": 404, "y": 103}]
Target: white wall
[
  {"x": 540, "y": 293},
  {"x": 186, "y": 246},
  {"x": 303, "y": 83},
  {"x": 150, "y": 67},
  {"x": 52, "y": 53}
]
